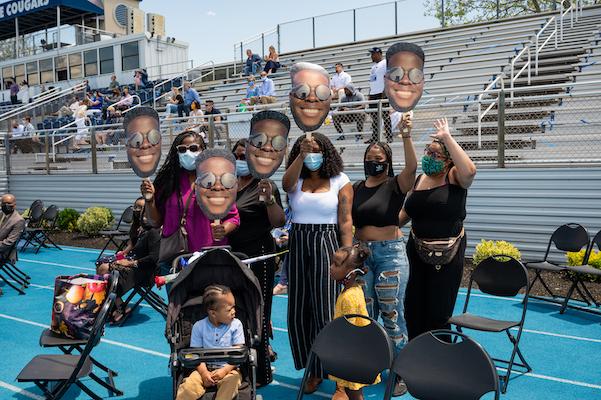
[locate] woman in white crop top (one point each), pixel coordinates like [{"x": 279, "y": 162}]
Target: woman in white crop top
[{"x": 320, "y": 196}]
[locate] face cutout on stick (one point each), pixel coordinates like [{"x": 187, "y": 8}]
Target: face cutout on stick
[
  {"x": 216, "y": 183},
  {"x": 267, "y": 142},
  {"x": 310, "y": 96},
  {"x": 404, "y": 78},
  {"x": 143, "y": 140}
]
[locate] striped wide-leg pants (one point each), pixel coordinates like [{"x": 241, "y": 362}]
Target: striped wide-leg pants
[{"x": 311, "y": 291}]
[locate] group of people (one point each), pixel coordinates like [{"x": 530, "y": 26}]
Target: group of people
[{"x": 253, "y": 62}]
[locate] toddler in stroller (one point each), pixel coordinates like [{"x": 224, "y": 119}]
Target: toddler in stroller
[{"x": 218, "y": 278}]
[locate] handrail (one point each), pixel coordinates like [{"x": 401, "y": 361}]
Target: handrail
[
  {"x": 538, "y": 49},
  {"x": 182, "y": 76},
  {"x": 481, "y": 114},
  {"x": 51, "y": 96},
  {"x": 513, "y": 77},
  {"x": 101, "y": 31},
  {"x": 159, "y": 66},
  {"x": 54, "y": 144},
  {"x": 562, "y": 14}
]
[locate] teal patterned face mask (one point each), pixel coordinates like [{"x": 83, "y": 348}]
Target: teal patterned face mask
[{"x": 432, "y": 166}]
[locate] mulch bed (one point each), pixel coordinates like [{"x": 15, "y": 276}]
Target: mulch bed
[{"x": 559, "y": 283}]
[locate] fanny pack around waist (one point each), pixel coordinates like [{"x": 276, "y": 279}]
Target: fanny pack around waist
[{"x": 437, "y": 252}]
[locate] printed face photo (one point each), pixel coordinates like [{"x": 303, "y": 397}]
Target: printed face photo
[
  {"x": 216, "y": 187},
  {"x": 404, "y": 83},
  {"x": 310, "y": 99},
  {"x": 266, "y": 148},
  {"x": 143, "y": 140}
]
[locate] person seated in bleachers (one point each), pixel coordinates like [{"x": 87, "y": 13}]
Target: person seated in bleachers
[
  {"x": 65, "y": 110},
  {"x": 351, "y": 95},
  {"x": 219, "y": 329},
  {"x": 190, "y": 94},
  {"x": 114, "y": 83},
  {"x": 252, "y": 90},
  {"x": 210, "y": 109},
  {"x": 266, "y": 91},
  {"x": 96, "y": 103},
  {"x": 81, "y": 121},
  {"x": 126, "y": 100},
  {"x": 272, "y": 61},
  {"x": 195, "y": 120},
  {"x": 252, "y": 64},
  {"x": 173, "y": 100},
  {"x": 338, "y": 82},
  {"x": 138, "y": 262}
]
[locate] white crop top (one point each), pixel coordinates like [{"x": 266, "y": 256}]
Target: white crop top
[{"x": 317, "y": 208}]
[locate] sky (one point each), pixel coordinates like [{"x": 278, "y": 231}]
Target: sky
[{"x": 212, "y": 27}]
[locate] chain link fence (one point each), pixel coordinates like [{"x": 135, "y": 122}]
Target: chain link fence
[{"x": 561, "y": 128}]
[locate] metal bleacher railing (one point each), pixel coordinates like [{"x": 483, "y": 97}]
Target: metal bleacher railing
[
  {"x": 562, "y": 128},
  {"x": 161, "y": 89}
]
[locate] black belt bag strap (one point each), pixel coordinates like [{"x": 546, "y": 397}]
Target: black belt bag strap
[{"x": 437, "y": 252}]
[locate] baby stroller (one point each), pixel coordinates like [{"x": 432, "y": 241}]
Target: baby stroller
[{"x": 215, "y": 266}]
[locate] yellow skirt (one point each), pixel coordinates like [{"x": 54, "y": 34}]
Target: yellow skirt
[{"x": 351, "y": 385}]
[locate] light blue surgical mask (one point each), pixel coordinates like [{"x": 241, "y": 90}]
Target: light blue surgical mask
[
  {"x": 313, "y": 161},
  {"x": 242, "y": 168},
  {"x": 187, "y": 160}
]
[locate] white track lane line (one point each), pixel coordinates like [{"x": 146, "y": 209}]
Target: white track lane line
[
  {"x": 57, "y": 264},
  {"x": 19, "y": 391}
]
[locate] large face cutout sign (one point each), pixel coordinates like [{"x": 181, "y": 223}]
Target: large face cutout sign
[
  {"x": 143, "y": 140},
  {"x": 310, "y": 96},
  {"x": 267, "y": 142},
  {"x": 216, "y": 183},
  {"x": 404, "y": 79}
]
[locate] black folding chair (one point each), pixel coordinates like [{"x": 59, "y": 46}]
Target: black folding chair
[
  {"x": 501, "y": 276},
  {"x": 11, "y": 274},
  {"x": 436, "y": 369},
  {"x": 577, "y": 275},
  {"x": 34, "y": 219},
  {"x": 67, "y": 345},
  {"x": 372, "y": 351},
  {"x": 54, "y": 374},
  {"x": 568, "y": 237},
  {"x": 146, "y": 294},
  {"x": 39, "y": 235},
  {"x": 126, "y": 218}
]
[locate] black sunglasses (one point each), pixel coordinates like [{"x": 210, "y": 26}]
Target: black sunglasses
[
  {"x": 208, "y": 180},
  {"x": 259, "y": 140},
  {"x": 397, "y": 74},
  {"x": 302, "y": 92},
  {"x": 182, "y": 148},
  {"x": 136, "y": 139}
]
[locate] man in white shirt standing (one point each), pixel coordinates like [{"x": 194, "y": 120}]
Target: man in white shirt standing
[
  {"x": 376, "y": 92},
  {"x": 338, "y": 82}
]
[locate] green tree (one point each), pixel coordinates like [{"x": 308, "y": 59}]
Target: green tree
[{"x": 469, "y": 11}]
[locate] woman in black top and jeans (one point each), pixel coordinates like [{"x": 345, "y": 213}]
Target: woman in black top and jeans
[
  {"x": 253, "y": 238},
  {"x": 436, "y": 208}
]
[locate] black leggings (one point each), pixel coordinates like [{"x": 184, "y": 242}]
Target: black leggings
[
  {"x": 265, "y": 273},
  {"x": 430, "y": 296}
]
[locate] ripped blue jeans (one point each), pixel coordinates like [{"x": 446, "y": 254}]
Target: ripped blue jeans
[{"x": 384, "y": 287}]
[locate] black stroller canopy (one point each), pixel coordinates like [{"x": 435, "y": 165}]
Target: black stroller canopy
[{"x": 218, "y": 266}]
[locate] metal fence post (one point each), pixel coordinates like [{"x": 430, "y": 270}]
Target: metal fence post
[
  {"x": 211, "y": 131},
  {"x": 263, "y": 44},
  {"x": 94, "y": 154},
  {"x": 241, "y": 53},
  {"x": 501, "y": 131},
  {"x": 442, "y": 12},
  {"x": 47, "y": 151},
  {"x": 380, "y": 120},
  {"x": 313, "y": 20},
  {"x": 354, "y": 25},
  {"x": 278, "y": 32},
  {"x": 396, "y": 17},
  {"x": 7, "y": 149}
]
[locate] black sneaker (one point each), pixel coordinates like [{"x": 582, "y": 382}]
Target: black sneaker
[
  {"x": 341, "y": 137},
  {"x": 399, "y": 388}
]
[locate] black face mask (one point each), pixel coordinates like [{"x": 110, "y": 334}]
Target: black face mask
[
  {"x": 375, "y": 168},
  {"x": 137, "y": 215},
  {"x": 6, "y": 209}
]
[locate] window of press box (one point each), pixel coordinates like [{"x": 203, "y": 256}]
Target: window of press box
[
  {"x": 130, "y": 56},
  {"x": 75, "y": 67},
  {"x": 107, "y": 62},
  {"x": 46, "y": 71},
  {"x": 90, "y": 60},
  {"x": 60, "y": 67}
]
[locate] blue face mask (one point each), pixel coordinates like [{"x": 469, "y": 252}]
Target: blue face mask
[
  {"x": 242, "y": 168},
  {"x": 432, "y": 166},
  {"x": 187, "y": 160},
  {"x": 313, "y": 161}
]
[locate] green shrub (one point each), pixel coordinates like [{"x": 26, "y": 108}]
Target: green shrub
[
  {"x": 67, "y": 220},
  {"x": 487, "y": 248},
  {"x": 594, "y": 260},
  {"x": 94, "y": 219}
]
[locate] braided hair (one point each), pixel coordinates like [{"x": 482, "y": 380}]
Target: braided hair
[
  {"x": 212, "y": 295},
  {"x": 332, "y": 162},
  {"x": 167, "y": 179},
  {"x": 387, "y": 152}
]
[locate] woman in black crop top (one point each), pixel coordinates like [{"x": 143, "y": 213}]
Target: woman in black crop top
[
  {"x": 377, "y": 202},
  {"x": 436, "y": 208}
]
